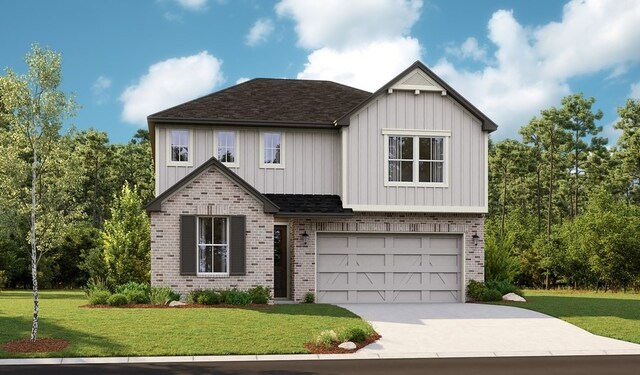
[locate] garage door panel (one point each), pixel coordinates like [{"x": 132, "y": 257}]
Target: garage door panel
[{"x": 388, "y": 268}]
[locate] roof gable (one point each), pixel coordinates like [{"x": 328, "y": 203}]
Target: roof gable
[
  {"x": 156, "y": 204},
  {"x": 419, "y": 77}
]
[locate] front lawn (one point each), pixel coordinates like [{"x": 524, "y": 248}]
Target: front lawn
[
  {"x": 615, "y": 315},
  {"x": 98, "y": 332}
]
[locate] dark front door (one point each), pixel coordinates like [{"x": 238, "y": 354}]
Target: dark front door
[{"x": 280, "y": 261}]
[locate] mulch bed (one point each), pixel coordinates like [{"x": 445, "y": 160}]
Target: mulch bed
[
  {"x": 39, "y": 346},
  {"x": 334, "y": 349},
  {"x": 149, "y": 306}
]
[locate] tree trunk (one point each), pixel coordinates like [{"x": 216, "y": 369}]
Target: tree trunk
[
  {"x": 34, "y": 253},
  {"x": 539, "y": 198},
  {"x": 504, "y": 204}
]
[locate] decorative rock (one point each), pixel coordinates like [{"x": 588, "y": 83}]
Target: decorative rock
[
  {"x": 176, "y": 303},
  {"x": 347, "y": 345},
  {"x": 512, "y": 297}
]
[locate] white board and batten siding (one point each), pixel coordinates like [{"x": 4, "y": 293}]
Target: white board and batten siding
[
  {"x": 389, "y": 268},
  {"x": 363, "y": 144},
  {"x": 311, "y": 159}
]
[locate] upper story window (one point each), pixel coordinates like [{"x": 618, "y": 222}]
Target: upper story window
[
  {"x": 227, "y": 147},
  {"x": 180, "y": 147},
  {"x": 271, "y": 150},
  {"x": 213, "y": 245},
  {"x": 414, "y": 157}
]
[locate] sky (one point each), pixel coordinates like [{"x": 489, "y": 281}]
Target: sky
[{"x": 125, "y": 60}]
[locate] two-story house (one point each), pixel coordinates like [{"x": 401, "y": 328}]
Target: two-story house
[{"x": 313, "y": 186}]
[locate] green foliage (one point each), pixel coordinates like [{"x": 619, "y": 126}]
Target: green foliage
[
  {"x": 237, "y": 297},
  {"x": 99, "y": 297},
  {"x": 491, "y": 295},
  {"x": 476, "y": 290},
  {"x": 503, "y": 287},
  {"x": 260, "y": 295},
  {"x": 117, "y": 299},
  {"x": 355, "y": 334},
  {"x": 136, "y": 293},
  {"x": 204, "y": 297},
  {"x": 126, "y": 239},
  {"x": 326, "y": 338},
  {"x": 3, "y": 278},
  {"x": 500, "y": 262},
  {"x": 309, "y": 297},
  {"x": 162, "y": 296}
]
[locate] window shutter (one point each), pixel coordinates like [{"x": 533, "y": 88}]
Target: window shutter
[
  {"x": 188, "y": 245},
  {"x": 237, "y": 244}
]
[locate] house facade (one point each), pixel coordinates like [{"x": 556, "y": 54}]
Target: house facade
[{"x": 312, "y": 186}]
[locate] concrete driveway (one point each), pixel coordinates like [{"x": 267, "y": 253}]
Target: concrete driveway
[{"x": 469, "y": 329}]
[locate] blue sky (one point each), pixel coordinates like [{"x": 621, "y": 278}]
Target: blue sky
[{"x": 127, "y": 59}]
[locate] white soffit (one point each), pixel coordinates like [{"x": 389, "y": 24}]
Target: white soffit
[{"x": 417, "y": 81}]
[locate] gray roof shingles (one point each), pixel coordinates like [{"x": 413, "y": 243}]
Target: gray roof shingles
[{"x": 271, "y": 100}]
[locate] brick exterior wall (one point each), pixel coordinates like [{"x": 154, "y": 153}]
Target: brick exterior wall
[
  {"x": 211, "y": 193},
  {"x": 303, "y": 258}
]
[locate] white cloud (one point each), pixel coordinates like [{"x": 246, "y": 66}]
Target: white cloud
[
  {"x": 531, "y": 66},
  {"x": 340, "y": 24},
  {"x": 635, "y": 91},
  {"x": 367, "y": 67},
  {"x": 242, "y": 80},
  {"x": 468, "y": 49},
  {"x": 168, "y": 83},
  {"x": 260, "y": 31},
  {"x": 193, "y": 4},
  {"x": 101, "y": 84},
  {"x": 362, "y": 43}
]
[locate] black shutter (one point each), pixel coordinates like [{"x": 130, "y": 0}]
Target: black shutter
[
  {"x": 237, "y": 244},
  {"x": 188, "y": 245}
]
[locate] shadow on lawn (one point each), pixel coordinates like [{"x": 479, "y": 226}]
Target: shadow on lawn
[
  {"x": 313, "y": 309},
  {"x": 43, "y": 294},
  {"x": 584, "y": 307},
  {"x": 16, "y": 328}
]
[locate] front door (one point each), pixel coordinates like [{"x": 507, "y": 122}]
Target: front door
[{"x": 280, "y": 261}]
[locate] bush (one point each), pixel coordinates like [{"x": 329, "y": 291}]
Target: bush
[
  {"x": 504, "y": 287},
  {"x": 326, "y": 338},
  {"x": 135, "y": 292},
  {"x": 260, "y": 295},
  {"x": 309, "y": 297},
  {"x": 117, "y": 299},
  {"x": 476, "y": 290},
  {"x": 98, "y": 297},
  {"x": 355, "y": 334},
  {"x": 208, "y": 297},
  {"x": 162, "y": 296},
  {"x": 237, "y": 297},
  {"x": 491, "y": 295},
  {"x": 192, "y": 296}
]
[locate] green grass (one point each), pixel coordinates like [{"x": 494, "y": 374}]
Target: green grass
[
  {"x": 615, "y": 315},
  {"x": 279, "y": 329}
]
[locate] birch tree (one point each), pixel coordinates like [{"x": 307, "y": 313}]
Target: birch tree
[{"x": 35, "y": 160}]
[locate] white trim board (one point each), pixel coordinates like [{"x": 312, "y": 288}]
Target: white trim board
[{"x": 418, "y": 209}]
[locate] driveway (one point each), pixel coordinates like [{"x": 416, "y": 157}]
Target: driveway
[{"x": 469, "y": 329}]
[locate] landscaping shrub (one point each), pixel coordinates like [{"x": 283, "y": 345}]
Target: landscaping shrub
[
  {"x": 491, "y": 295},
  {"x": 208, "y": 297},
  {"x": 309, "y": 297},
  {"x": 476, "y": 290},
  {"x": 98, "y": 297},
  {"x": 237, "y": 297},
  {"x": 162, "y": 296},
  {"x": 355, "y": 334},
  {"x": 192, "y": 296},
  {"x": 326, "y": 338},
  {"x": 260, "y": 295},
  {"x": 504, "y": 287},
  {"x": 117, "y": 299},
  {"x": 135, "y": 292}
]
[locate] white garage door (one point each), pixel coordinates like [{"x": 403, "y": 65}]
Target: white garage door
[{"x": 388, "y": 268}]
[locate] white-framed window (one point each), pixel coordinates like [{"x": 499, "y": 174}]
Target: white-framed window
[
  {"x": 227, "y": 148},
  {"x": 213, "y": 245},
  {"x": 180, "y": 147},
  {"x": 416, "y": 157},
  {"x": 271, "y": 150}
]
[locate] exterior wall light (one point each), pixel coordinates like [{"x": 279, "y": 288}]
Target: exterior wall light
[
  {"x": 305, "y": 237},
  {"x": 475, "y": 238}
]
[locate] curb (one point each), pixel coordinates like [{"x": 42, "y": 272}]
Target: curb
[{"x": 306, "y": 357}]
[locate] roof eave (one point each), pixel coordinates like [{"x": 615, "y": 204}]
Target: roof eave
[{"x": 240, "y": 122}]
